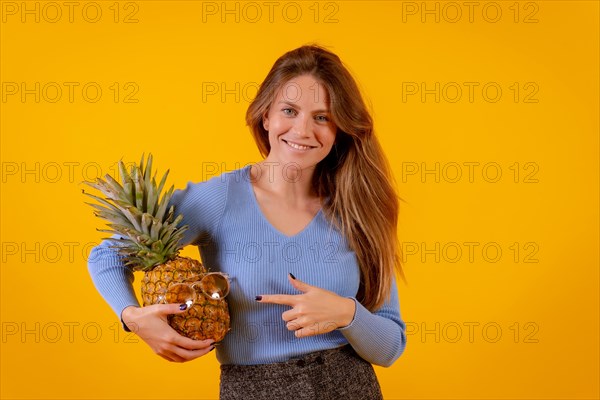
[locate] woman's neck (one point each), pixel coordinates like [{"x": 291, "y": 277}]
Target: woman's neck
[{"x": 286, "y": 182}]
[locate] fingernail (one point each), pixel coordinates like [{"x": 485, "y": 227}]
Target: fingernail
[
  {"x": 183, "y": 306},
  {"x": 258, "y": 298},
  {"x": 211, "y": 349},
  {"x": 292, "y": 275}
]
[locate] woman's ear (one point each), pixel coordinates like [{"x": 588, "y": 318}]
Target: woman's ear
[{"x": 265, "y": 120}]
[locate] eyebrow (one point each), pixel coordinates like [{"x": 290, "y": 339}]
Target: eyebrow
[{"x": 294, "y": 105}]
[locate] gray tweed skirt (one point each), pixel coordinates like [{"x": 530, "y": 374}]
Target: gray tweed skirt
[{"x": 325, "y": 375}]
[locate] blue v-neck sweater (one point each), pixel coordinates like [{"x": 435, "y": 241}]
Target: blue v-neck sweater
[{"x": 233, "y": 236}]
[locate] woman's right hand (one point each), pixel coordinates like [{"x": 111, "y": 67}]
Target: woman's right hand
[{"x": 151, "y": 325}]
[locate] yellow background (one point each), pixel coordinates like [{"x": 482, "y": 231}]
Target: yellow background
[{"x": 534, "y": 324}]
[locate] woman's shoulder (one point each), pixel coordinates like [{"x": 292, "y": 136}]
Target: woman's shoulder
[
  {"x": 211, "y": 193},
  {"x": 217, "y": 180},
  {"x": 203, "y": 203}
]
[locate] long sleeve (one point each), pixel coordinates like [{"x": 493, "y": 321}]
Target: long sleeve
[
  {"x": 201, "y": 204},
  {"x": 112, "y": 278},
  {"x": 378, "y": 337}
]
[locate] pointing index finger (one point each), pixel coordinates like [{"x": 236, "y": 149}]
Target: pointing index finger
[{"x": 285, "y": 299}]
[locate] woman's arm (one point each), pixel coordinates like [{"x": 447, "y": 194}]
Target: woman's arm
[
  {"x": 112, "y": 278},
  {"x": 114, "y": 282},
  {"x": 202, "y": 205},
  {"x": 378, "y": 337}
]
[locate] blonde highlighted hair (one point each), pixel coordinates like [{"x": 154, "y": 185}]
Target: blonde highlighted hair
[{"x": 355, "y": 175}]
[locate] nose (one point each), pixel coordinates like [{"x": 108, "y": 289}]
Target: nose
[{"x": 303, "y": 126}]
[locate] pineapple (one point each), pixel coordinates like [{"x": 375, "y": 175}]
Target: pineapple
[{"x": 148, "y": 239}]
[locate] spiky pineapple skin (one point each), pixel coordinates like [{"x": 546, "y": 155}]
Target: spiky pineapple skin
[{"x": 206, "y": 318}]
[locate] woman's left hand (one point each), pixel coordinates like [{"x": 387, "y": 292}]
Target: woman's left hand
[{"x": 315, "y": 311}]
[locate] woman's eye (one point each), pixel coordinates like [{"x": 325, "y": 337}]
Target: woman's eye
[
  {"x": 322, "y": 118},
  {"x": 288, "y": 111}
]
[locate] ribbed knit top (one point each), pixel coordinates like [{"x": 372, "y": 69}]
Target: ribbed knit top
[{"x": 233, "y": 236}]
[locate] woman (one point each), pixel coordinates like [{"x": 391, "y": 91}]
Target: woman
[{"x": 308, "y": 237}]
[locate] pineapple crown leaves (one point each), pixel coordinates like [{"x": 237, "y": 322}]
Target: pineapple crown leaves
[{"x": 135, "y": 211}]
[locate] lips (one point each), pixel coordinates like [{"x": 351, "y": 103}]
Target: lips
[{"x": 298, "y": 146}]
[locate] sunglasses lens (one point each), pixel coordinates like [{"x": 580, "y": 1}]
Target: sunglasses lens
[
  {"x": 215, "y": 286},
  {"x": 180, "y": 293}
]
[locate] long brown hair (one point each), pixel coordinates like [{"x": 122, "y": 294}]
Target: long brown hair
[{"x": 355, "y": 175}]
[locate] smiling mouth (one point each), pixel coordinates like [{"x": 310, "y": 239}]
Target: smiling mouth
[{"x": 298, "y": 146}]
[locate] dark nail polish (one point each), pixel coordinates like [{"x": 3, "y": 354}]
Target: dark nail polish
[
  {"x": 258, "y": 298},
  {"x": 183, "y": 306},
  {"x": 292, "y": 275},
  {"x": 211, "y": 349}
]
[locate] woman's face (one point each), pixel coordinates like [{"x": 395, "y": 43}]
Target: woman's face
[{"x": 299, "y": 123}]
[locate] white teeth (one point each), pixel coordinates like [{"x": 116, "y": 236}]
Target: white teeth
[{"x": 297, "y": 146}]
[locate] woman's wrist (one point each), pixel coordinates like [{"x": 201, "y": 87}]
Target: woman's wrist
[
  {"x": 348, "y": 312},
  {"x": 126, "y": 313},
  {"x": 126, "y": 316}
]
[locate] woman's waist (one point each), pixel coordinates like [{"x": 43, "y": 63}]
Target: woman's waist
[
  {"x": 267, "y": 349},
  {"x": 272, "y": 370}
]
